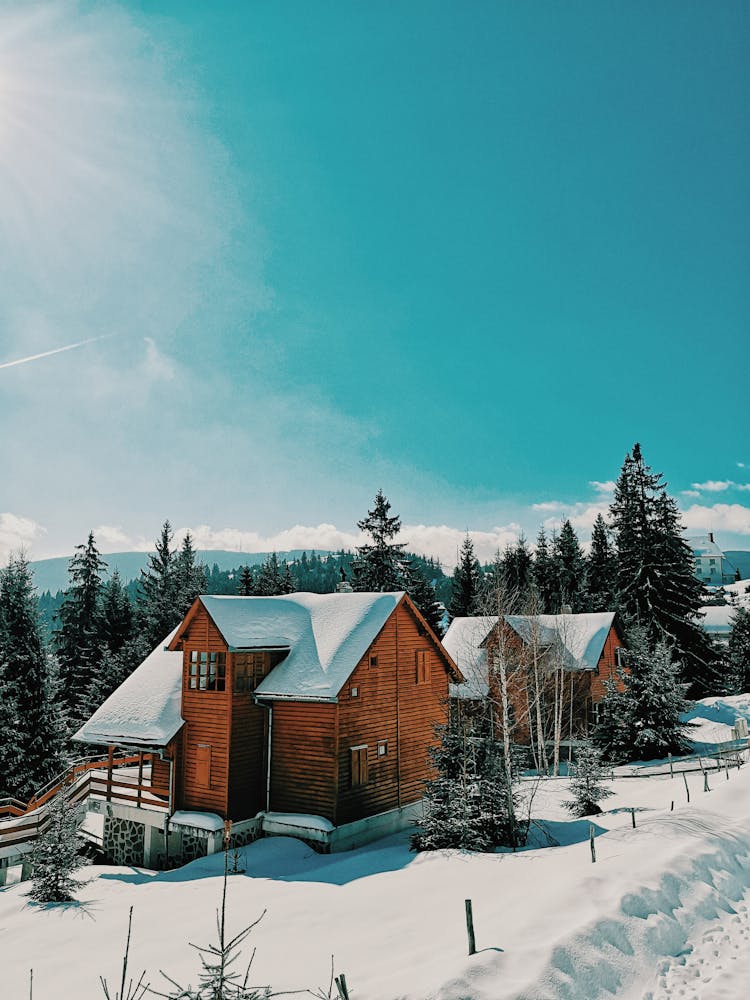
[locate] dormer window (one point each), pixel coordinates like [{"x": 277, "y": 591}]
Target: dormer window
[
  {"x": 207, "y": 671},
  {"x": 249, "y": 670}
]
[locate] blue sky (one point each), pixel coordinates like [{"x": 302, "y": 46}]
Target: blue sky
[{"x": 466, "y": 252}]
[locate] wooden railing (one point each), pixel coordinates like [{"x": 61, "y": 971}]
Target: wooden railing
[{"x": 22, "y": 822}]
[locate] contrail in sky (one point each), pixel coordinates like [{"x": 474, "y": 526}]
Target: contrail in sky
[{"x": 57, "y": 350}]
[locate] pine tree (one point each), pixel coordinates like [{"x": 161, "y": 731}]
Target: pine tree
[
  {"x": 29, "y": 680},
  {"x": 247, "y": 583},
  {"x": 516, "y": 572},
  {"x": 569, "y": 567},
  {"x": 655, "y": 582},
  {"x": 288, "y": 585},
  {"x": 56, "y": 855},
  {"x": 587, "y": 782},
  {"x": 158, "y": 597},
  {"x": 612, "y": 734},
  {"x": 466, "y": 585},
  {"x": 80, "y": 637},
  {"x": 602, "y": 569},
  {"x": 380, "y": 565},
  {"x": 544, "y": 576}
]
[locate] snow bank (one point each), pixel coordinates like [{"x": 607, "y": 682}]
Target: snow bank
[{"x": 550, "y": 925}]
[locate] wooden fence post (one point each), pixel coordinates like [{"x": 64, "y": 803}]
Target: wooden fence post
[
  {"x": 705, "y": 782},
  {"x": 687, "y": 790},
  {"x": 632, "y": 816},
  {"x": 591, "y": 843},
  {"x": 671, "y": 767},
  {"x": 470, "y": 927}
]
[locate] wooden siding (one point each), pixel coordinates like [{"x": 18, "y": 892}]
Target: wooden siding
[
  {"x": 303, "y": 758},
  {"x": 606, "y": 668},
  {"x": 247, "y": 771},
  {"x": 391, "y": 707},
  {"x": 208, "y": 718}
]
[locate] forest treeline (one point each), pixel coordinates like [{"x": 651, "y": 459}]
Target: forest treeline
[{"x": 61, "y": 657}]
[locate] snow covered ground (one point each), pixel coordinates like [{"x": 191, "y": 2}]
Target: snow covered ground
[{"x": 664, "y": 912}]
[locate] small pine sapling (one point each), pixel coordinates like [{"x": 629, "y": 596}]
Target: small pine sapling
[
  {"x": 586, "y": 783},
  {"x": 56, "y": 856},
  {"x": 128, "y": 989}
]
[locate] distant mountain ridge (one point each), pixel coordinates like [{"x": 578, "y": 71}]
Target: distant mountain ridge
[{"x": 52, "y": 574}]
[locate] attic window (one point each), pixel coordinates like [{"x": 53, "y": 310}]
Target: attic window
[
  {"x": 207, "y": 671},
  {"x": 382, "y": 748},
  {"x": 354, "y": 691},
  {"x": 373, "y": 659}
]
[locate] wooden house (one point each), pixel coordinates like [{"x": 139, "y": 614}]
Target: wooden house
[
  {"x": 320, "y": 705},
  {"x": 561, "y": 662}
]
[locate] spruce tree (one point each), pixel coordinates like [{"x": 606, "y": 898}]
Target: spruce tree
[
  {"x": 190, "y": 575},
  {"x": 116, "y": 614},
  {"x": 569, "y": 568},
  {"x": 158, "y": 597},
  {"x": 517, "y": 572},
  {"x": 466, "y": 585},
  {"x": 544, "y": 576},
  {"x": 380, "y": 565},
  {"x": 655, "y": 583},
  {"x": 247, "y": 583},
  {"x": 288, "y": 585},
  {"x": 422, "y": 592},
  {"x": 587, "y": 782},
  {"x": 30, "y": 684},
  {"x": 738, "y": 651},
  {"x": 270, "y": 582},
  {"x": 646, "y": 718},
  {"x": 80, "y": 635},
  {"x": 56, "y": 855},
  {"x": 602, "y": 569}
]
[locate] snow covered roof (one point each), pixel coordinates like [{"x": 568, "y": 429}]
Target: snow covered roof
[
  {"x": 327, "y": 635},
  {"x": 580, "y": 637},
  {"x": 464, "y": 642},
  {"x": 704, "y": 546},
  {"x": 145, "y": 710}
]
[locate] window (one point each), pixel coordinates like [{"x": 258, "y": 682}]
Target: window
[
  {"x": 358, "y": 761},
  {"x": 373, "y": 659},
  {"x": 423, "y": 666},
  {"x": 354, "y": 691},
  {"x": 620, "y": 657},
  {"x": 249, "y": 670},
  {"x": 382, "y": 748},
  {"x": 207, "y": 671},
  {"x": 594, "y": 713}
]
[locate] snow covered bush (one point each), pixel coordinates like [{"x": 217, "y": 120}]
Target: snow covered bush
[{"x": 586, "y": 783}]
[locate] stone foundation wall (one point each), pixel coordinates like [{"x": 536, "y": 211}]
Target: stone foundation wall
[{"x": 123, "y": 841}]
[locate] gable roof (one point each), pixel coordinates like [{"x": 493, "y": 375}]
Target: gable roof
[
  {"x": 464, "y": 642},
  {"x": 326, "y": 634},
  {"x": 581, "y": 638},
  {"x": 145, "y": 710}
]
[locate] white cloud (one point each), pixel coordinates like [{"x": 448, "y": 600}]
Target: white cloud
[
  {"x": 731, "y": 517},
  {"x": 580, "y": 515},
  {"x": 690, "y": 493},
  {"x": 17, "y": 534},
  {"x": 548, "y": 506},
  {"x": 112, "y": 538},
  {"x": 713, "y": 485},
  {"x": 608, "y": 487}
]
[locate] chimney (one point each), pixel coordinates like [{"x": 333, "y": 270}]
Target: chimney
[{"x": 710, "y": 536}]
